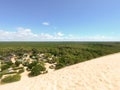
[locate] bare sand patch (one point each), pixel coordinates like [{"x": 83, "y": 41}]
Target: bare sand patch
[{"x": 97, "y": 74}]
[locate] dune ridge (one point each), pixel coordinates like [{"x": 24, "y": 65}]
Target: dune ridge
[{"x": 97, "y": 74}]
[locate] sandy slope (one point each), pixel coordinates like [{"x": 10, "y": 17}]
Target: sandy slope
[{"x": 97, "y": 74}]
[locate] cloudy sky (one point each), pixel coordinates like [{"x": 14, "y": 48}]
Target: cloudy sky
[{"x": 59, "y": 20}]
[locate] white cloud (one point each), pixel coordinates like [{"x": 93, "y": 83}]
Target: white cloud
[
  {"x": 46, "y": 36},
  {"x": 46, "y": 23},
  {"x": 91, "y": 38},
  {"x": 25, "y": 34},
  {"x": 20, "y": 35},
  {"x": 59, "y": 34}
]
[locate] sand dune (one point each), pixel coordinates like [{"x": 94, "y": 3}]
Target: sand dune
[{"x": 97, "y": 74}]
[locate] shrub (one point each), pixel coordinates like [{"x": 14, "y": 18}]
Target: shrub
[
  {"x": 16, "y": 68},
  {"x": 13, "y": 66},
  {"x": 17, "y": 63},
  {"x": 36, "y": 70},
  {"x": 9, "y": 63},
  {"x": 52, "y": 67},
  {"x": 51, "y": 61},
  {"x": 10, "y": 72},
  {"x": 31, "y": 65},
  {"x": 5, "y": 66},
  {"x": 1, "y": 75},
  {"x": 11, "y": 78},
  {"x": 25, "y": 63},
  {"x": 59, "y": 65},
  {"x": 20, "y": 71}
]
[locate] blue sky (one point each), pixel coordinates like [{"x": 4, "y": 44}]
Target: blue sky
[{"x": 59, "y": 20}]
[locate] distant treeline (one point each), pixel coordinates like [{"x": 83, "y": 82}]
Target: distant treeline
[{"x": 68, "y": 53}]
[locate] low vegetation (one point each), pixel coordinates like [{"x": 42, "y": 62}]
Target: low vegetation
[
  {"x": 37, "y": 69},
  {"x": 11, "y": 78},
  {"x": 16, "y": 56}
]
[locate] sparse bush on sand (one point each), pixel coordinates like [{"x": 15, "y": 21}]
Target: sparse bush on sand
[
  {"x": 11, "y": 78},
  {"x": 37, "y": 69}
]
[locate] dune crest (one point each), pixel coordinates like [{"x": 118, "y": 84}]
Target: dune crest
[{"x": 98, "y": 74}]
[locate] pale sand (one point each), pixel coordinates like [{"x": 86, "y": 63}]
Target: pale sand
[{"x": 97, "y": 74}]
